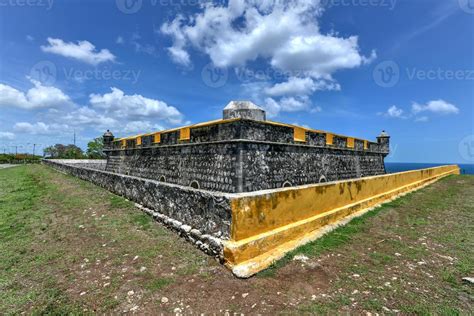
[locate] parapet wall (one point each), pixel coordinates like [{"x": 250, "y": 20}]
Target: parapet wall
[
  {"x": 273, "y": 165},
  {"x": 98, "y": 164},
  {"x": 209, "y": 212},
  {"x": 244, "y": 166},
  {"x": 267, "y": 224},
  {"x": 249, "y": 231},
  {"x": 211, "y": 165}
]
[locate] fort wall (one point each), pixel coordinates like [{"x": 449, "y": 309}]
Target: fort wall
[
  {"x": 205, "y": 210},
  {"x": 249, "y": 231},
  {"x": 242, "y": 155}
]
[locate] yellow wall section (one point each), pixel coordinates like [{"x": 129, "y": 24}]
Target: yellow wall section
[
  {"x": 259, "y": 213},
  {"x": 329, "y": 139},
  {"x": 267, "y": 224},
  {"x": 139, "y": 141},
  {"x": 185, "y": 133},
  {"x": 350, "y": 142},
  {"x": 157, "y": 138},
  {"x": 299, "y": 134}
]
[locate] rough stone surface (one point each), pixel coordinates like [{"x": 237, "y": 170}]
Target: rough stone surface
[
  {"x": 269, "y": 166},
  {"x": 207, "y": 211},
  {"x": 248, "y": 155}
]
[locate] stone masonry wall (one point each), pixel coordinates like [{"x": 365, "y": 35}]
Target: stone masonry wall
[
  {"x": 268, "y": 166},
  {"x": 207, "y": 212},
  {"x": 243, "y": 166},
  {"x": 212, "y": 166},
  {"x": 246, "y": 155}
]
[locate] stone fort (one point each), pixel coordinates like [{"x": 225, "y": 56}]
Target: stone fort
[
  {"x": 244, "y": 152},
  {"x": 245, "y": 189}
]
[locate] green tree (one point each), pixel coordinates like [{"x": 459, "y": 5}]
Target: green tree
[
  {"x": 95, "y": 148},
  {"x": 73, "y": 152},
  {"x": 64, "y": 152}
]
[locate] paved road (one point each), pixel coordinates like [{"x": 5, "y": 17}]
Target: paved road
[{"x": 6, "y": 165}]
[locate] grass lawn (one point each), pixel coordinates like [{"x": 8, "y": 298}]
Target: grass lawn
[{"x": 68, "y": 246}]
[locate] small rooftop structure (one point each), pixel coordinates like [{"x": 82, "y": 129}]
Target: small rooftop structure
[{"x": 244, "y": 110}]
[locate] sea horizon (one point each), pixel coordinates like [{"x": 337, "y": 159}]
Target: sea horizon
[{"x": 392, "y": 167}]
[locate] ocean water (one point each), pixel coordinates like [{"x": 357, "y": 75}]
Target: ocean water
[{"x": 392, "y": 167}]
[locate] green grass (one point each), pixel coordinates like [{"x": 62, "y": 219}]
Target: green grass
[
  {"x": 51, "y": 223},
  {"x": 330, "y": 241},
  {"x": 158, "y": 284},
  {"x": 423, "y": 227},
  {"x": 70, "y": 247}
]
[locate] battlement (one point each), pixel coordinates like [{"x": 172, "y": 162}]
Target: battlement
[
  {"x": 242, "y": 129},
  {"x": 244, "y": 152}
]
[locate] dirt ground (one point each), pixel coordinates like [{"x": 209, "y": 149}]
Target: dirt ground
[{"x": 67, "y": 246}]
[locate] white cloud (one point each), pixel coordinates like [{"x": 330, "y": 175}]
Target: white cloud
[
  {"x": 119, "y": 40},
  {"x": 141, "y": 47},
  {"x": 82, "y": 50},
  {"x": 436, "y": 106},
  {"x": 316, "y": 109},
  {"x": 138, "y": 127},
  {"x": 286, "y": 104},
  {"x": 120, "y": 105},
  {"x": 38, "y": 97},
  {"x": 39, "y": 128},
  {"x": 7, "y": 135},
  {"x": 285, "y": 34},
  {"x": 421, "y": 119},
  {"x": 300, "y": 86},
  {"x": 177, "y": 52},
  {"x": 88, "y": 116},
  {"x": 394, "y": 111}
]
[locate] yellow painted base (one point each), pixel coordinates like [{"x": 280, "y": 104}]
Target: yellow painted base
[{"x": 269, "y": 224}]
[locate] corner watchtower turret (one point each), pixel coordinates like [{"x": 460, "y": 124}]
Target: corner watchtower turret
[
  {"x": 245, "y": 110},
  {"x": 384, "y": 142},
  {"x": 108, "y": 138}
]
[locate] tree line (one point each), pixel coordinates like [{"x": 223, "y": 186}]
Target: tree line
[{"x": 59, "y": 151}]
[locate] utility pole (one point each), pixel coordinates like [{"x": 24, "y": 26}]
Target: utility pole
[{"x": 34, "y": 147}]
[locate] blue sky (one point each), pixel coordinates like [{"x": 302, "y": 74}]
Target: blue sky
[{"x": 353, "y": 67}]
